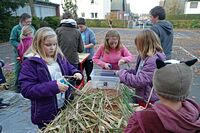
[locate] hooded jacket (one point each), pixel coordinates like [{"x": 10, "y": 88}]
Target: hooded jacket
[
  {"x": 24, "y": 45},
  {"x": 69, "y": 40},
  {"x": 36, "y": 85},
  {"x": 142, "y": 81},
  {"x": 164, "y": 30},
  {"x": 162, "y": 119}
]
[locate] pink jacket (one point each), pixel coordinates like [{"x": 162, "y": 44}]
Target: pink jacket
[
  {"x": 101, "y": 57},
  {"x": 24, "y": 45}
]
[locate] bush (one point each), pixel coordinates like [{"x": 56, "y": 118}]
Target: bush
[
  {"x": 36, "y": 22},
  {"x": 189, "y": 24},
  {"x": 183, "y": 17},
  {"x": 53, "y": 21},
  {"x": 6, "y": 26}
]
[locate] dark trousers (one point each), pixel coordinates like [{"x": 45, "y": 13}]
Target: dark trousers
[{"x": 88, "y": 66}]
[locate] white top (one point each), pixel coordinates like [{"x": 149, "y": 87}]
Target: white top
[{"x": 55, "y": 72}]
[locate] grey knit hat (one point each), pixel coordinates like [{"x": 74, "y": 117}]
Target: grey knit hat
[{"x": 173, "y": 81}]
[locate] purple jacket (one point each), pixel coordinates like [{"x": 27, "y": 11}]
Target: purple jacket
[
  {"x": 142, "y": 82},
  {"x": 36, "y": 85},
  {"x": 162, "y": 119}
]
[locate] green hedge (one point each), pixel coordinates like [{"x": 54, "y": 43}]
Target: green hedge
[
  {"x": 6, "y": 26},
  {"x": 189, "y": 24},
  {"x": 104, "y": 23},
  {"x": 53, "y": 21},
  {"x": 184, "y": 17}
]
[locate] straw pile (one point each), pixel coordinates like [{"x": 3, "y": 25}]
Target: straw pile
[{"x": 94, "y": 110}]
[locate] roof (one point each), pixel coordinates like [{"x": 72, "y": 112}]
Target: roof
[{"x": 46, "y": 3}]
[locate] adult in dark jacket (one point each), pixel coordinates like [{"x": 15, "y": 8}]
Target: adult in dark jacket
[
  {"x": 69, "y": 39},
  {"x": 174, "y": 113},
  {"x": 163, "y": 29},
  {"x": 41, "y": 74}
]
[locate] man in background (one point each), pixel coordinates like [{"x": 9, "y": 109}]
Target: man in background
[{"x": 163, "y": 29}]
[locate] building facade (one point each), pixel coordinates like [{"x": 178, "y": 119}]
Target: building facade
[
  {"x": 93, "y": 9},
  {"x": 42, "y": 9},
  {"x": 192, "y": 7}
]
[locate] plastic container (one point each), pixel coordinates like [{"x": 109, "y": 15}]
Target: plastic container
[{"x": 104, "y": 79}]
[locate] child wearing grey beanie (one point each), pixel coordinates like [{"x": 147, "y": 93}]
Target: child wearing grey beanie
[{"x": 174, "y": 112}]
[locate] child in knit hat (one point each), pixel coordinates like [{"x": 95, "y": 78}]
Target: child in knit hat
[{"x": 174, "y": 112}]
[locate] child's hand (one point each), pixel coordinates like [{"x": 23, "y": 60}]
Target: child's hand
[
  {"x": 117, "y": 73},
  {"x": 121, "y": 61},
  {"x": 62, "y": 87},
  {"x": 108, "y": 66},
  {"x": 78, "y": 76}
]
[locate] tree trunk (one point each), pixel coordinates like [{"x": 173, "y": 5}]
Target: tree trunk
[{"x": 31, "y": 4}]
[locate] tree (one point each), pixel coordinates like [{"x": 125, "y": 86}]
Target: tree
[
  {"x": 31, "y": 4},
  {"x": 6, "y": 9},
  {"x": 70, "y": 6},
  {"x": 7, "y": 6},
  {"x": 174, "y": 7}
]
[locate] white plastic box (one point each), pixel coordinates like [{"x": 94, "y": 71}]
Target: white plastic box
[{"x": 104, "y": 79}]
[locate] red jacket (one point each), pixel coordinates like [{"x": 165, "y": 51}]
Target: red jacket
[{"x": 162, "y": 119}]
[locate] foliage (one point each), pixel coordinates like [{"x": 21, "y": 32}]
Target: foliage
[
  {"x": 36, "y": 22},
  {"x": 53, "y": 21},
  {"x": 71, "y": 7},
  {"x": 174, "y": 6},
  {"x": 6, "y": 21},
  {"x": 183, "y": 17},
  {"x": 7, "y": 6},
  {"x": 188, "y": 24}
]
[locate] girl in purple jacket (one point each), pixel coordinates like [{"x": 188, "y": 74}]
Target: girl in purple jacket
[
  {"x": 140, "y": 78},
  {"x": 42, "y": 70},
  {"x": 112, "y": 54}
]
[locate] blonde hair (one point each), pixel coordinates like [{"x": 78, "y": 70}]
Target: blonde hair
[
  {"x": 112, "y": 33},
  {"x": 26, "y": 30},
  {"x": 148, "y": 43},
  {"x": 41, "y": 35}
]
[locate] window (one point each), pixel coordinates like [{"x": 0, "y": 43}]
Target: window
[
  {"x": 92, "y": 15},
  {"x": 96, "y": 15},
  {"x": 92, "y": 1},
  {"x": 193, "y": 4},
  {"x": 83, "y": 14}
]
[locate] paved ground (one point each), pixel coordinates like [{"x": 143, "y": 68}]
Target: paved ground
[{"x": 16, "y": 118}]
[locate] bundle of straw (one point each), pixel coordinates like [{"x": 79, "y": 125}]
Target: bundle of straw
[{"x": 94, "y": 111}]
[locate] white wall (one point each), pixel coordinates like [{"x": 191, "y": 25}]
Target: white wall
[
  {"x": 189, "y": 10},
  {"x": 101, "y": 7}
]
